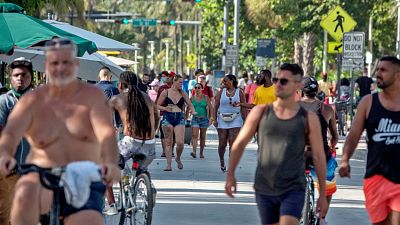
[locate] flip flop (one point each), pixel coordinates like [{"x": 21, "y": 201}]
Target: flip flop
[
  {"x": 180, "y": 165},
  {"x": 193, "y": 155},
  {"x": 167, "y": 169}
]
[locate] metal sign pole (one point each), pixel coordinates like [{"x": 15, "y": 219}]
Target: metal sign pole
[
  {"x": 338, "y": 77},
  {"x": 351, "y": 94}
]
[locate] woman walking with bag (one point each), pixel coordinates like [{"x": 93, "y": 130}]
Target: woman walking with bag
[
  {"x": 229, "y": 118},
  {"x": 202, "y": 119}
]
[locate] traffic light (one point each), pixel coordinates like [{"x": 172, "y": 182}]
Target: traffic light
[
  {"x": 122, "y": 21},
  {"x": 168, "y": 22},
  {"x": 125, "y": 21}
]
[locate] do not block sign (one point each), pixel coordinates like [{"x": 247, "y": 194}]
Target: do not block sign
[{"x": 353, "y": 45}]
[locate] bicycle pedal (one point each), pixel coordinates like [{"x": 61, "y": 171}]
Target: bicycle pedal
[{"x": 130, "y": 209}]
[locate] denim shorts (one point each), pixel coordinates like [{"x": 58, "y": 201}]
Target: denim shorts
[
  {"x": 271, "y": 208},
  {"x": 173, "y": 119},
  {"x": 95, "y": 201},
  {"x": 200, "y": 122}
]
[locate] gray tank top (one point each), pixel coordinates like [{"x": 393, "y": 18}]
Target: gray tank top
[{"x": 281, "y": 153}]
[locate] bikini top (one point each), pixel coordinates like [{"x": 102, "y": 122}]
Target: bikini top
[{"x": 180, "y": 103}]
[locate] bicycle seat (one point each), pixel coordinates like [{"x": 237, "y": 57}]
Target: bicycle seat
[{"x": 139, "y": 157}]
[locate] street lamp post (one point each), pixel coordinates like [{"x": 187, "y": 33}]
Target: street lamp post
[
  {"x": 136, "y": 45},
  {"x": 187, "y": 42},
  {"x": 166, "y": 53},
  {"x": 151, "y": 55},
  {"x": 236, "y": 36}
]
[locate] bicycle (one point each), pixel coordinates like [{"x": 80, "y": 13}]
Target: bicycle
[
  {"x": 136, "y": 197},
  {"x": 342, "y": 111},
  {"x": 50, "y": 179},
  {"x": 309, "y": 214}
]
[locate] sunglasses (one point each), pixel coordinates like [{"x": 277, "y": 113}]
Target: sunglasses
[
  {"x": 58, "y": 42},
  {"x": 22, "y": 63},
  {"x": 282, "y": 81},
  {"x": 198, "y": 87},
  {"x": 230, "y": 101}
]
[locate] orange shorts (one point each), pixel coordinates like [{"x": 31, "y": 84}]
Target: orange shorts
[{"x": 381, "y": 197}]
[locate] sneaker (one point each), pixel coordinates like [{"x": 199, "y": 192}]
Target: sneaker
[{"x": 111, "y": 210}]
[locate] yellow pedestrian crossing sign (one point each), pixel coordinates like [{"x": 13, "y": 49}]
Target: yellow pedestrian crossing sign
[
  {"x": 334, "y": 47},
  {"x": 337, "y": 22}
]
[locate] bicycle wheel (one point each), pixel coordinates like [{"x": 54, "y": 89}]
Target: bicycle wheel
[
  {"x": 305, "y": 218},
  {"x": 142, "y": 200}
]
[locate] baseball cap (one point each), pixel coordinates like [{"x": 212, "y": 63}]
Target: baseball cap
[
  {"x": 154, "y": 83},
  {"x": 172, "y": 73},
  {"x": 310, "y": 85},
  {"x": 22, "y": 61}
]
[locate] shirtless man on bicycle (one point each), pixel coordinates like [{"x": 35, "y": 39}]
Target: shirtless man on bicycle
[
  {"x": 140, "y": 118},
  {"x": 65, "y": 121}
]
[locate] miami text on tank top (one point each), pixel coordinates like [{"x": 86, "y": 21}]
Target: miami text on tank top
[
  {"x": 281, "y": 153},
  {"x": 383, "y": 139}
]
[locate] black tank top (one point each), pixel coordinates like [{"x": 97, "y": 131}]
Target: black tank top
[
  {"x": 180, "y": 103},
  {"x": 280, "y": 166},
  {"x": 383, "y": 132},
  {"x": 324, "y": 125}
]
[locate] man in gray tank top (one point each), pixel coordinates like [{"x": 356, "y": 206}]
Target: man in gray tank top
[{"x": 283, "y": 129}]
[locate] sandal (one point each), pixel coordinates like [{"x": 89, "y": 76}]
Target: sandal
[
  {"x": 179, "y": 164},
  {"x": 193, "y": 155},
  {"x": 167, "y": 169},
  {"x": 223, "y": 167},
  {"x": 201, "y": 156}
]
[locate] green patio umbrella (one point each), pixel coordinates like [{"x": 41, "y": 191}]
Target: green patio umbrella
[{"x": 19, "y": 29}]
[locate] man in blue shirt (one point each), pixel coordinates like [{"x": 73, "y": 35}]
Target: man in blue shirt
[
  {"x": 105, "y": 83},
  {"x": 21, "y": 80},
  {"x": 109, "y": 90}
]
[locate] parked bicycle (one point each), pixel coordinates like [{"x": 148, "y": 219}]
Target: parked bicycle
[{"x": 136, "y": 196}]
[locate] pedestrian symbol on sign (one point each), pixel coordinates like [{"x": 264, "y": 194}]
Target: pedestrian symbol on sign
[{"x": 340, "y": 20}]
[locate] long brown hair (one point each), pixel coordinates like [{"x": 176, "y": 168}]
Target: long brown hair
[{"x": 138, "y": 114}]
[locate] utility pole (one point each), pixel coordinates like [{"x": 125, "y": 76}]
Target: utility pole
[
  {"x": 226, "y": 34},
  {"x": 236, "y": 36},
  {"x": 324, "y": 62}
]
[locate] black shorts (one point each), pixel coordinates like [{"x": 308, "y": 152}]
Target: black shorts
[{"x": 271, "y": 208}]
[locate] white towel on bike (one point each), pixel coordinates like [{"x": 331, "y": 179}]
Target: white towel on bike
[{"x": 76, "y": 180}]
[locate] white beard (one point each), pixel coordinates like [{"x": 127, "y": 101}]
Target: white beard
[{"x": 61, "y": 82}]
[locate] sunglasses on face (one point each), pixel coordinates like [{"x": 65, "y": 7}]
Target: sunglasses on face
[
  {"x": 59, "y": 41},
  {"x": 282, "y": 81},
  {"x": 198, "y": 87}
]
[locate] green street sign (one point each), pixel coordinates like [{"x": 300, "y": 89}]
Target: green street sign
[{"x": 144, "y": 22}]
